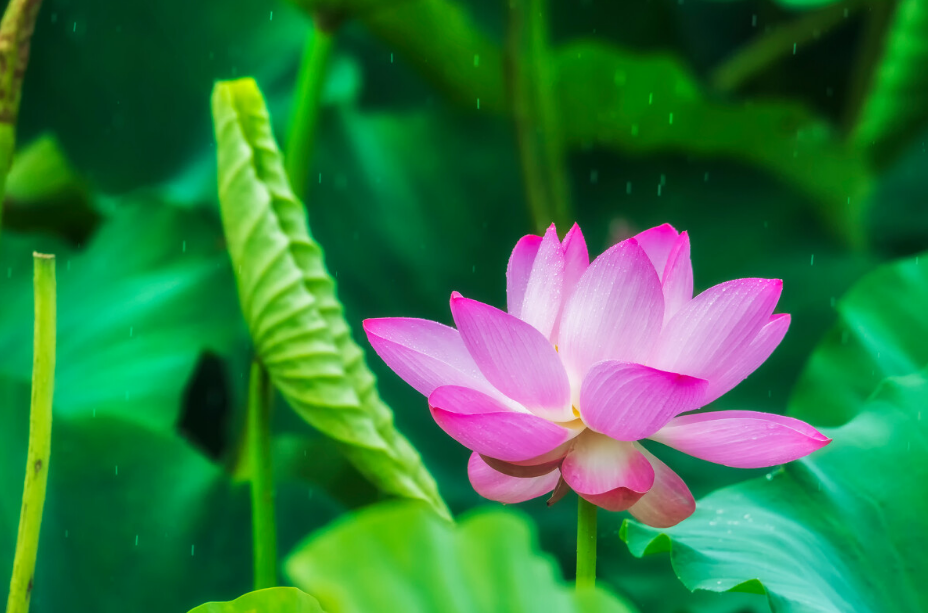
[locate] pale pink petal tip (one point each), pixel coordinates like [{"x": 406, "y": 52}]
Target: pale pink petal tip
[
  {"x": 519, "y": 271},
  {"x": 677, "y": 277},
  {"x": 657, "y": 242},
  {"x": 750, "y": 357},
  {"x": 424, "y": 353},
  {"x": 488, "y": 427},
  {"x": 709, "y": 334},
  {"x": 576, "y": 258},
  {"x": 541, "y": 303},
  {"x": 494, "y": 485},
  {"x": 742, "y": 439}
]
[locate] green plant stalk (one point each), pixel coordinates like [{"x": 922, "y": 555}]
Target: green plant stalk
[
  {"x": 305, "y": 115},
  {"x": 16, "y": 30},
  {"x": 586, "y": 544},
  {"x": 40, "y": 436},
  {"x": 263, "y": 524},
  {"x": 300, "y": 139},
  {"x": 530, "y": 81}
]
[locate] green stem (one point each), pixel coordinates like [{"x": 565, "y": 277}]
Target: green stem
[
  {"x": 530, "y": 82},
  {"x": 306, "y": 103},
  {"x": 586, "y": 544},
  {"x": 264, "y": 528},
  {"x": 767, "y": 49},
  {"x": 40, "y": 436}
]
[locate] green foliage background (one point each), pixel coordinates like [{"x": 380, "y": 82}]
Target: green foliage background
[{"x": 810, "y": 170}]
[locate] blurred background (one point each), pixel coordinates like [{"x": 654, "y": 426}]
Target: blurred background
[{"x": 447, "y": 130}]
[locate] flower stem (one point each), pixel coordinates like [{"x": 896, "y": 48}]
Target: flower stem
[
  {"x": 586, "y": 544},
  {"x": 264, "y": 529},
  {"x": 40, "y": 436},
  {"x": 306, "y": 102}
]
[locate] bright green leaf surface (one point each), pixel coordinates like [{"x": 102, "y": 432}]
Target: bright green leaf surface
[
  {"x": 167, "y": 296},
  {"x": 401, "y": 557},
  {"x": 128, "y": 498},
  {"x": 125, "y": 504},
  {"x": 273, "y": 600},
  {"x": 882, "y": 331},
  {"x": 289, "y": 302},
  {"x": 897, "y": 105},
  {"x": 843, "y": 529}
]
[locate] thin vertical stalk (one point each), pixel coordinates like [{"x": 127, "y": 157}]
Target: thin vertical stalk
[
  {"x": 263, "y": 524},
  {"x": 531, "y": 89},
  {"x": 306, "y": 102},
  {"x": 586, "y": 544},
  {"x": 15, "y": 36},
  {"x": 300, "y": 139},
  {"x": 40, "y": 436}
]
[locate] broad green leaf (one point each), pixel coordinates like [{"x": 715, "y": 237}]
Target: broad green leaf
[
  {"x": 132, "y": 506},
  {"x": 125, "y": 504},
  {"x": 649, "y": 104},
  {"x": 116, "y": 130},
  {"x": 154, "y": 283},
  {"x": 288, "y": 299},
  {"x": 882, "y": 331},
  {"x": 272, "y": 600},
  {"x": 842, "y": 530},
  {"x": 643, "y": 103},
  {"x": 845, "y": 528},
  {"x": 402, "y": 557},
  {"x": 128, "y": 498},
  {"x": 45, "y": 192},
  {"x": 896, "y": 107}
]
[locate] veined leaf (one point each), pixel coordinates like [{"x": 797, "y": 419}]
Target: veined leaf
[
  {"x": 881, "y": 331},
  {"x": 288, "y": 299},
  {"x": 273, "y": 600},
  {"x": 401, "y": 557},
  {"x": 842, "y": 530},
  {"x": 845, "y": 529}
]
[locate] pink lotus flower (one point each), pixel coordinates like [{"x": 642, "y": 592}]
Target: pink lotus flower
[{"x": 590, "y": 359}]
